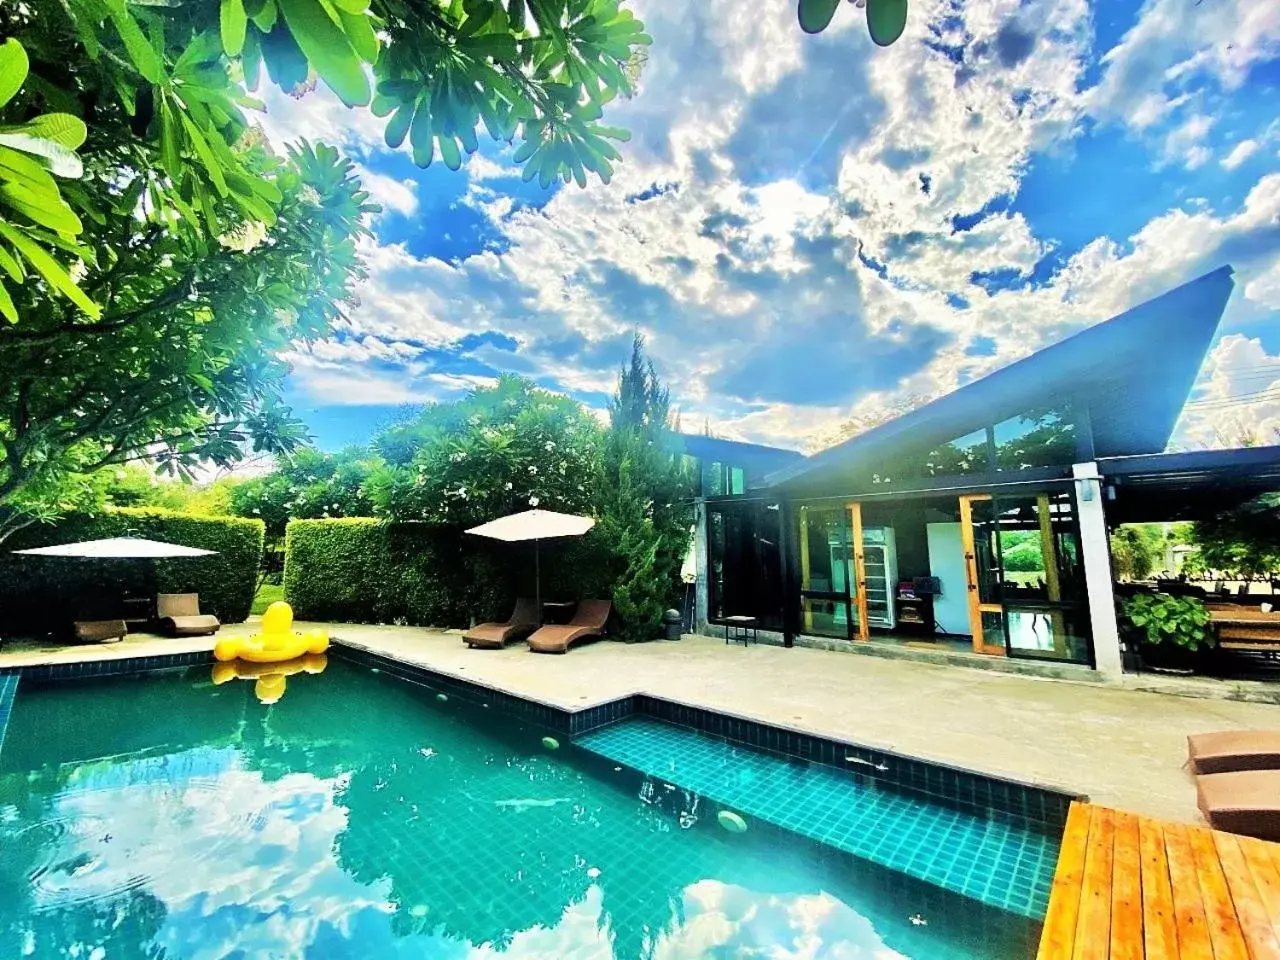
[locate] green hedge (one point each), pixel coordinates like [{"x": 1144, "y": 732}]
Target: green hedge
[
  {"x": 38, "y": 594},
  {"x": 361, "y": 570}
]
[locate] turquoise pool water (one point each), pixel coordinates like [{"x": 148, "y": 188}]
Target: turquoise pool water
[{"x": 161, "y": 816}]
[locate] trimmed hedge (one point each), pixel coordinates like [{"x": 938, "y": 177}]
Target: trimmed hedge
[
  {"x": 363, "y": 570},
  {"x": 39, "y": 594}
]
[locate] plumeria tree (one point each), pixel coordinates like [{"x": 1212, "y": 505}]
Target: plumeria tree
[{"x": 502, "y": 449}]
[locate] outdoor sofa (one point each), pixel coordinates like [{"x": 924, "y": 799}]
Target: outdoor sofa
[{"x": 98, "y": 631}]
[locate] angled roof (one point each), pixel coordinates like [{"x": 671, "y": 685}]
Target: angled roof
[{"x": 1134, "y": 371}]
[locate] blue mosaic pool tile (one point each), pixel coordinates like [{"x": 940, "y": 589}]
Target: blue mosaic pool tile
[
  {"x": 998, "y": 860},
  {"x": 8, "y": 690}
]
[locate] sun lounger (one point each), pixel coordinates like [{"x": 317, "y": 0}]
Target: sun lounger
[
  {"x": 1246, "y": 801},
  {"x": 588, "y": 621},
  {"x": 179, "y": 615},
  {"x": 1225, "y": 751},
  {"x": 524, "y": 619},
  {"x": 98, "y": 631}
]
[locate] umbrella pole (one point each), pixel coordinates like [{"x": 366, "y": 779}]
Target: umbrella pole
[{"x": 537, "y": 579}]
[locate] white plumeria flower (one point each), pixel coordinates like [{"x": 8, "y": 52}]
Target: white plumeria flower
[
  {"x": 533, "y": 501},
  {"x": 508, "y": 486},
  {"x": 533, "y": 469}
]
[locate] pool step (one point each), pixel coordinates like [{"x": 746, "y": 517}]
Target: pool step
[
  {"x": 994, "y": 861},
  {"x": 8, "y": 690}
]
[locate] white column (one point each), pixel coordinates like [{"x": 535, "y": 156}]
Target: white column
[{"x": 1096, "y": 554}]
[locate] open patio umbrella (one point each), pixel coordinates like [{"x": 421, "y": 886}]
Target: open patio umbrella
[
  {"x": 535, "y": 525},
  {"x": 118, "y": 548}
]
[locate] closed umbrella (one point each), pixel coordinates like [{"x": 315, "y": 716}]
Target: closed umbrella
[{"x": 535, "y": 525}]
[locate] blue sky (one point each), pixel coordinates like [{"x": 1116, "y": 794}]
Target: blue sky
[{"x": 810, "y": 228}]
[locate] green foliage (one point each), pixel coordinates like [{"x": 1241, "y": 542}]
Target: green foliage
[
  {"x": 886, "y": 19},
  {"x": 42, "y": 593},
  {"x": 1158, "y": 618},
  {"x": 1244, "y": 540},
  {"x": 178, "y": 76},
  {"x": 1024, "y": 558},
  {"x": 184, "y": 365},
  {"x": 1135, "y": 550},
  {"x": 645, "y": 499},
  {"x": 308, "y": 484},
  {"x": 266, "y": 595},
  {"x": 502, "y": 449}
]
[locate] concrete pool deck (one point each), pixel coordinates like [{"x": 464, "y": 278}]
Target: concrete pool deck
[{"x": 1124, "y": 748}]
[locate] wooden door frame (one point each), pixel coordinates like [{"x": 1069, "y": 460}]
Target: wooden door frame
[
  {"x": 859, "y": 572},
  {"x": 973, "y": 593}
]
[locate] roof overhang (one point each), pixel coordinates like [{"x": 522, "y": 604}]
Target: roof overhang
[{"x": 1187, "y": 486}]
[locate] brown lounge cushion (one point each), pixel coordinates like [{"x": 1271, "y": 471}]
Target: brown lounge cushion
[
  {"x": 1247, "y": 802},
  {"x": 179, "y": 615},
  {"x": 1227, "y": 750},
  {"x": 98, "y": 631},
  {"x": 524, "y": 619},
  {"x": 588, "y": 621}
]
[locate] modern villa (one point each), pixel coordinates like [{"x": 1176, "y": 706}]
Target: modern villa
[{"x": 978, "y": 522}]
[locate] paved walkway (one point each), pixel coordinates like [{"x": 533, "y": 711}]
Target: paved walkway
[{"x": 1124, "y": 748}]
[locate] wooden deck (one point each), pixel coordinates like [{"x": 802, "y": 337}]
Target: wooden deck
[{"x": 1130, "y": 887}]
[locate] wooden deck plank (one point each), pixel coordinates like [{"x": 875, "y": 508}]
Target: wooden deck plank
[
  {"x": 1250, "y": 908},
  {"x": 1058, "y": 939},
  {"x": 1219, "y": 910},
  {"x": 1159, "y": 923},
  {"x": 1266, "y": 877},
  {"x": 1188, "y": 905},
  {"x": 1133, "y": 888},
  {"x": 1126, "y": 890},
  {"x": 1093, "y": 927}
]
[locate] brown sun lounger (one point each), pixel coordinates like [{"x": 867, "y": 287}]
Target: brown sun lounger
[
  {"x": 1226, "y": 751},
  {"x": 524, "y": 619},
  {"x": 179, "y": 615},
  {"x": 1246, "y": 801},
  {"x": 588, "y": 621},
  {"x": 98, "y": 631}
]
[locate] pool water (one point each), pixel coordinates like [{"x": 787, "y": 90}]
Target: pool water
[{"x": 360, "y": 816}]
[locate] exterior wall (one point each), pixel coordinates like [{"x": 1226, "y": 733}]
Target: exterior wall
[{"x": 1095, "y": 550}]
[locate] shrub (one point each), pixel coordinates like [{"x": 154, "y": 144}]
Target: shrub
[
  {"x": 1159, "y": 618},
  {"x": 363, "y": 570},
  {"x": 32, "y": 589}
]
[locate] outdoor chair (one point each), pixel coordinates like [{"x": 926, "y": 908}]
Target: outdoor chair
[
  {"x": 1227, "y": 751},
  {"x": 588, "y": 620},
  {"x": 98, "y": 631},
  {"x": 179, "y": 615},
  {"x": 524, "y": 620},
  {"x": 1244, "y": 801}
]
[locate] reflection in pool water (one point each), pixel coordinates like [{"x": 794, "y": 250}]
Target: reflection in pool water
[{"x": 359, "y": 817}]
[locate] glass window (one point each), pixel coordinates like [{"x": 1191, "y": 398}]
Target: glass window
[
  {"x": 1045, "y": 437},
  {"x": 964, "y": 455},
  {"x": 713, "y": 480},
  {"x": 737, "y": 480}
]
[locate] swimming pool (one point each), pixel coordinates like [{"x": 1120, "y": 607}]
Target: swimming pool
[{"x": 361, "y": 816}]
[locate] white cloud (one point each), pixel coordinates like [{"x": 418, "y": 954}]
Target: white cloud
[
  {"x": 1173, "y": 44},
  {"x": 395, "y": 196},
  {"x": 1241, "y": 152},
  {"x": 1237, "y": 399}
]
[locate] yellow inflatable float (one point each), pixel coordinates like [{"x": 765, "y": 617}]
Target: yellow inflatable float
[
  {"x": 277, "y": 641},
  {"x": 270, "y": 677}
]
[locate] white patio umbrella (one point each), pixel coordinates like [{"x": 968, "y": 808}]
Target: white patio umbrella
[
  {"x": 535, "y": 525},
  {"x": 118, "y": 548}
]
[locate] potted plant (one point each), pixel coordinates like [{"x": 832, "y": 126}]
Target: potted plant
[{"x": 1170, "y": 631}]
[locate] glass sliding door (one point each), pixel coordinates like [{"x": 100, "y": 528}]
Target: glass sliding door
[
  {"x": 1026, "y": 581},
  {"x": 1046, "y": 613},
  {"x": 744, "y": 565},
  {"x": 979, "y": 535},
  {"x": 827, "y": 571}
]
